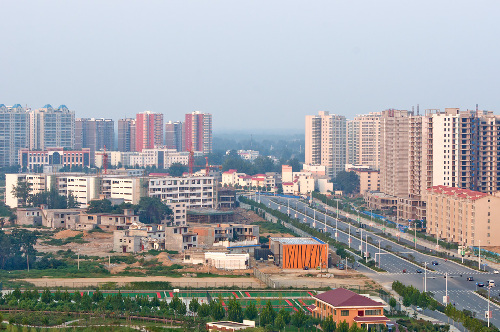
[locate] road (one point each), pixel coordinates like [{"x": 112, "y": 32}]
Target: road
[{"x": 460, "y": 291}]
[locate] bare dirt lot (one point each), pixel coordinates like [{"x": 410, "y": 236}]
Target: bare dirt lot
[
  {"x": 176, "y": 282},
  {"x": 99, "y": 244}
]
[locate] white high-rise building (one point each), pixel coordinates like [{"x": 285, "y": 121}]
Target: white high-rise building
[
  {"x": 14, "y": 133},
  {"x": 51, "y": 128},
  {"x": 326, "y": 141}
]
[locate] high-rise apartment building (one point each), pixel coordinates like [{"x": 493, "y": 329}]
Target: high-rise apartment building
[
  {"x": 198, "y": 132},
  {"x": 326, "y": 141},
  {"x": 363, "y": 140},
  {"x": 174, "y": 135},
  {"x": 126, "y": 135},
  {"x": 94, "y": 134},
  {"x": 148, "y": 130},
  {"x": 51, "y": 128},
  {"x": 394, "y": 133},
  {"x": 352, "y": 142},
  {"x": 14, "y": 133}
]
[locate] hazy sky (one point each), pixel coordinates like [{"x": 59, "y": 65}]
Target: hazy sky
[{"x": 252, "y": 64}]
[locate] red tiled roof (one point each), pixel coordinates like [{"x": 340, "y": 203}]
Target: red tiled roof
[
  {"x": 341, "y": 297},
  {"x": 458, "y": 192},
  {"x": 231, "y": 171},
  {"x": 363, "y": 319},
  {"x": 287, "y": 184}
]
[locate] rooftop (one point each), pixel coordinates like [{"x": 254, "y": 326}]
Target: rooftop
[
  {"x": 341, "y": 297},
  {"x": 458, "y": 192},
  {"x": 297, "y": 240}
]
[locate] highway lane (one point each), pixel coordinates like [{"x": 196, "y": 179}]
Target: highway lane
[{"x": 460, "y": 291}]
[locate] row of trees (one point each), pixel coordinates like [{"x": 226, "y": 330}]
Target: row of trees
[
  {"x": 151, "y": 210},
  {"x": 17, "y": 249},
  {"x": 412, "y": 296},
  {"x": 51, "y": 198}
]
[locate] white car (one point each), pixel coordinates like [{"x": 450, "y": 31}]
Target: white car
[
  {"x": 419, "y": 309},
  {"x": 495, "y": 272}
]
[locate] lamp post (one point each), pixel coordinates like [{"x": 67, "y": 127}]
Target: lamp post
[
  {"x": 489, "y": 287},
  {"x": 425, "y": 277},
  {"x": 479, "y": 255},
  {"x": 379, "y": 254},
  {"x": 366, "y": 252},
  {"x": 349, "y": 236}
]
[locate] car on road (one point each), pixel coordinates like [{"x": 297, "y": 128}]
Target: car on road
[
  {"x": 306, "y": 267},
  {"x": 419, "y": 271},
  {"x": 495, "y": 272},
  {"x": 419, "y": 309},
  {"x": 435, "y": 263},
  {"x": 470, "y": 279},
  {"x": 480, "y": 284}
]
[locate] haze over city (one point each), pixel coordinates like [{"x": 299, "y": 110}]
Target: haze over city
[{"x": 276, "y": 61}]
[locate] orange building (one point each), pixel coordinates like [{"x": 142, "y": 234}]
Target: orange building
[
  {"x": 345, "y": 305},
  {"x": 299, "y": 252}
]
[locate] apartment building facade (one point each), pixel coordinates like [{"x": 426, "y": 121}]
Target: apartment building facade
[
  {"x": 463, "y": 216},
  {"x": 198, "y": 132},
  {"x": 126, "y": 135},
  {"x": 325, "y": 141},
  {"x": 148, "y": 130},
  {"x": 174, "y": 135},
  {"x": 14, "y": 133},
  {"x": 363, "y": 140},
  {"x": 51, "y": 128},
  {"x": 195, "y": 191},
  {"x": 95, "y": 134}
]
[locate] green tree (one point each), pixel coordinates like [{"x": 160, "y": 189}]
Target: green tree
[
  {"x": 234, "y": 311},
  {"x": 285, "y": 315},
  {"x": 279, "y": 323},
  {"x": 46, "y": 296},
  {"x": 328, "y": 325},
  {"x": 251, "y": 311},
  {"x": 204, "y": 310},
  {"x": 22, "y": 191},
  {"x": 77, "y": 297},
  {"x": 267, "y": 315},
  {"x": 177, "y": 169},
  {"x": 348, "y": 182},
  {"x": 354, "y": 327},
  {"x": 298, "y": 319},
  {"x": 97, "y": 296},
  {"x": 217, "y": 310},
  {"x": 342, "y": 327},
  {"x": 194, "y": 305},
  {"x": 100, "y": 206},
  {"x": 71, "y": 201},
  {"x": 392, "y": 303},
  {"x": 152, "y": 210}
]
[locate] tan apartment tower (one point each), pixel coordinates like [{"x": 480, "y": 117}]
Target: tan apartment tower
[{"x": 326, "y": 141}]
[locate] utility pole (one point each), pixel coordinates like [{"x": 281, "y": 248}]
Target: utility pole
[{"x": 489, "y": 287}]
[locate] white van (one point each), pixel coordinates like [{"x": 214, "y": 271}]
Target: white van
[{"x": 491, "y": 283}]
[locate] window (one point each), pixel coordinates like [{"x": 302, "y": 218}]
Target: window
[
  {"x": 344, "y": 312},
  {"x": 375, "y": 312}
]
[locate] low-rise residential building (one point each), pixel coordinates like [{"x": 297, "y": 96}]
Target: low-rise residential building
[
  {"x": 463, "y": 216},
  {"x": 124, "y": 242},
  {"x": 180, "y": 238},
  {"x": 345, "y": 305},
  {"x": 36, "y": 182},
  {"x": 128, "y": 188},
  {"x": 52, "y": 218},
  {"x": 195, "y": 191},
  {"x": 179, "y": 213},
  {"x": 213, "y": 234},
  {"x": 368, "y": 179},
  {"x": 226, "y": 198}
]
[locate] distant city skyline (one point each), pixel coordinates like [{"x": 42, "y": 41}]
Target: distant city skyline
[{"x": 270, "y": 63}]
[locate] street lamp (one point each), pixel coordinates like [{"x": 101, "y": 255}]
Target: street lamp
[
  {"x": 349, "y": 236},
  {"x": 379, "y": 253},
  {"x": 425, "y": 277}
]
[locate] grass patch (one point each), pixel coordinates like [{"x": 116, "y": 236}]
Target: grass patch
[
  {"x": 270, "y": 227},
  {"x": 59, "y": 242}
]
